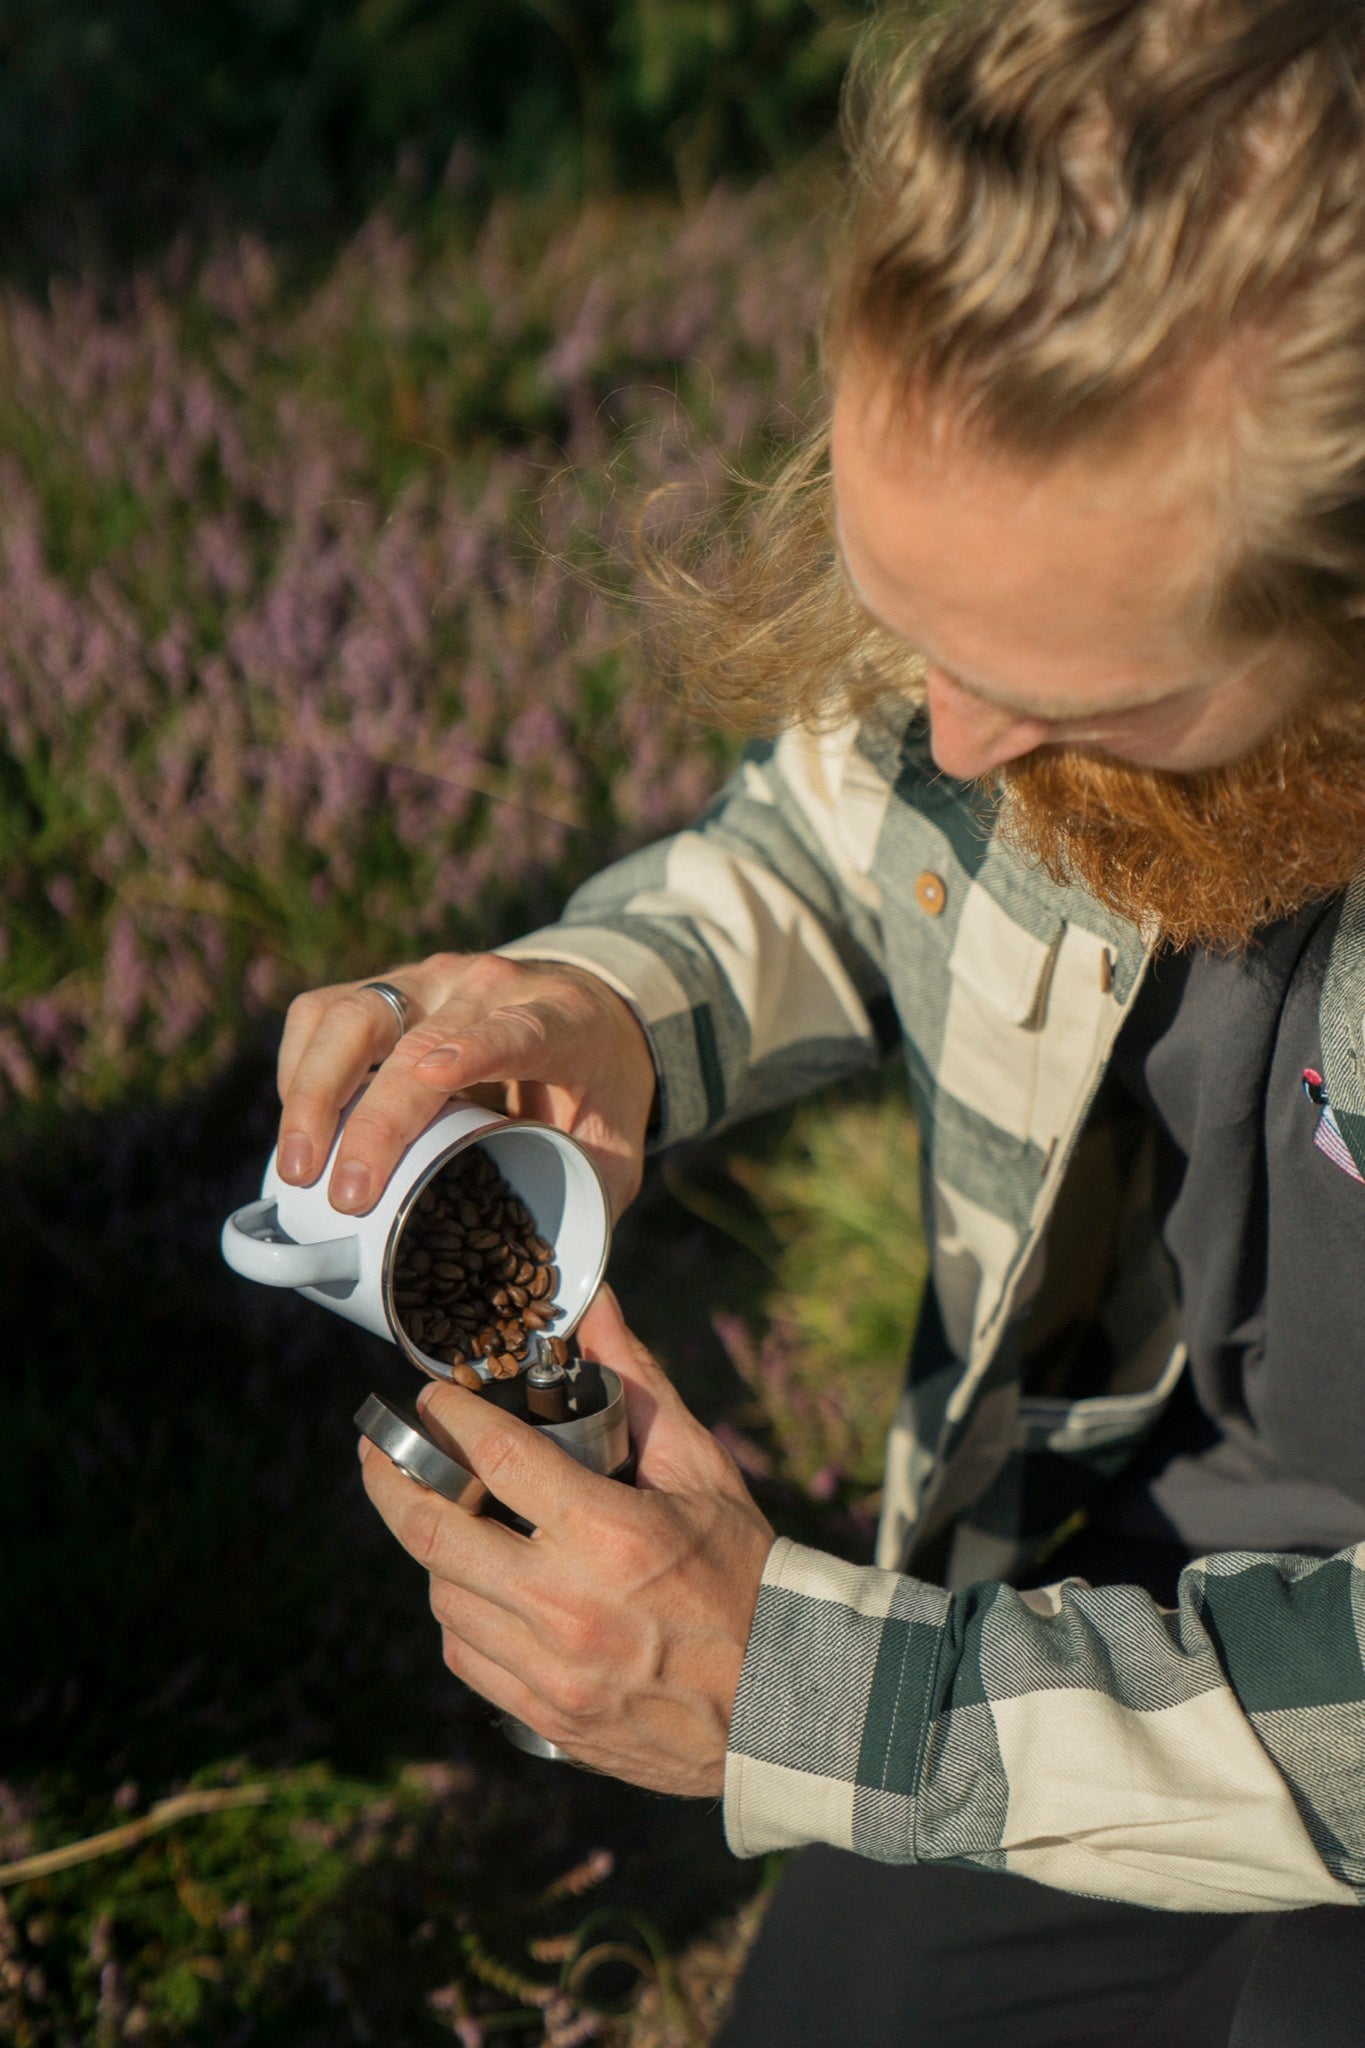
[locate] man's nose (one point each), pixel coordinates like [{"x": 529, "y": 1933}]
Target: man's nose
[{"x": 969, "y": 737}]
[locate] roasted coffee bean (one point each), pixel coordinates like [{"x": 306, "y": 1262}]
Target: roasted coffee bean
[
  {"x": 465, "y": 1376},
  {"x": 472, "y": 1274}
]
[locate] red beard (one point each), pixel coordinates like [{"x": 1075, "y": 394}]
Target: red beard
[{"x": 1207, "y": 858}]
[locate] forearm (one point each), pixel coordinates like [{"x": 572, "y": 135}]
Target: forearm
[{"x": 1207, "y": 1759}]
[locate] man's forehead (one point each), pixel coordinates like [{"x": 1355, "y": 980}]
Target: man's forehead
[{"x": 1031, "y": 582}]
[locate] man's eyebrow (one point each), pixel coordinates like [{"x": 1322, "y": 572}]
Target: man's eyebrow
[{"x": 1001, "y": 700}]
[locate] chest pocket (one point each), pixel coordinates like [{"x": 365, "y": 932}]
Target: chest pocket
[{"x": 999, "y": 979}]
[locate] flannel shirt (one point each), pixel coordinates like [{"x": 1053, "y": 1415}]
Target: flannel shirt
[{"x": 841, "y": 899}]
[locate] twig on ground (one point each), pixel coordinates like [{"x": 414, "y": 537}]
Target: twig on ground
[{"x": 167, "y": 1814}]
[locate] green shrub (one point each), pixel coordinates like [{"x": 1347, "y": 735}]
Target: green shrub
[{"x": 128, "y": 117}]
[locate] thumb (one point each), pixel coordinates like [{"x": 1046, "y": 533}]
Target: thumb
[{"x": 654, "y": 1409}]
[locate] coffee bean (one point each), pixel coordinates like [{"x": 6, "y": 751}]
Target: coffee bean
[
  {"x": 465, "y": 1376},
  {"x": 472, "y": 1275}
]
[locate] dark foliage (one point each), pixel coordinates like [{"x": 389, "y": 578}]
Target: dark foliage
[{"x": 123, "y": 121}]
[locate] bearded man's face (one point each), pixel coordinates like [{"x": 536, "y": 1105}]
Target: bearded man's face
[{"x": 1062, "y": 615}]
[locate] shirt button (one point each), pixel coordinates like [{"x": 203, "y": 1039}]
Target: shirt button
[{"x": 930, "y": 894}]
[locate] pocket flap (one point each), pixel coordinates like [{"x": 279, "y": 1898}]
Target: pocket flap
[{"x": 1002, "y": 962}]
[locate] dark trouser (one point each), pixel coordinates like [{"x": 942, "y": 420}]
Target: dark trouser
[{"x": 856, "y": 1954}]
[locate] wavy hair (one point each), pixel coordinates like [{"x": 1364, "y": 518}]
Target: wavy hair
[{"x": 1057, "y": 209}]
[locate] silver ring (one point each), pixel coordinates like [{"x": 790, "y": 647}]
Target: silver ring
[{"x": 394, "y": 997}]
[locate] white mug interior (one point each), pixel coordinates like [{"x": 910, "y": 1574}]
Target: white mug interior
[{"x": 564, "y": 1193}]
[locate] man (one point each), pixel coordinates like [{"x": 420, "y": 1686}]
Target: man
[{"x": 1083, "y": 846}]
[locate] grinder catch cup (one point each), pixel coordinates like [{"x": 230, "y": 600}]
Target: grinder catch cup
[{"x": 478, "y": 1260}]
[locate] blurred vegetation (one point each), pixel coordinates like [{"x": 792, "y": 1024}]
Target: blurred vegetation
[
  {"x": 339, "y": 340},
  {"x": 122, "y": 121},
  {"x": 205, "y": 1599}
]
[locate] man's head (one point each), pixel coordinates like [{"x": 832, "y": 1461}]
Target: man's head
[
  {"x": 1097, "y": 348},
  {"x": 1098, "y": 351}
]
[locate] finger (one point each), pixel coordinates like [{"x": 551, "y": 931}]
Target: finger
[
  {"x": 500, "y": 1687},
  {"x": 405, "y": 1094},
  {"x": 351, "y": 1030},
  {"x": 521, "y": 1467},
  {"x": 605, "y": 1337},
  {"x": 484, "y": 1558},
  {"x": 674, "y": 1452}
]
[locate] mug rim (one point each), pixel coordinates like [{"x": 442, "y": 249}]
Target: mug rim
[{"x": 499, "y": 1122}]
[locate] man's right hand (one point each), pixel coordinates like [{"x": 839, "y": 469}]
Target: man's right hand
[{"x": 568, "y": 1049}]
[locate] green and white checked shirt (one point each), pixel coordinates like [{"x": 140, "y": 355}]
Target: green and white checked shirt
[{"x": 841, "y": 898}]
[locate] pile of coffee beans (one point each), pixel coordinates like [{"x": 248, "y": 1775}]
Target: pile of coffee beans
[{"x": 473, "y": 1279}]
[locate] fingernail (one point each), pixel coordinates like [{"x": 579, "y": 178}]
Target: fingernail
[
  {"x": 439, "y": 1056},
  {"x": 425, "y": 1396},
  {"x": 296, "y": 1156},
  {"x": 351, "y": 1188}
]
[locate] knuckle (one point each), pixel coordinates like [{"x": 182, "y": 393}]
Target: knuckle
[
  {"x": 422, "y": 1532},
  {"x": 374, "y": 1127},
  {"x": 447, "y": 963},
  {"x": 629, "y": 1556},
  {"x": 479, "y": 971},
  {"x": 576, "y": 1631},
  {"x": 311, "y": 1003},
  {"x": 356, "y": 1003},
  {"x": 574, "y": 1695},
  {"x": 500, "y": 1458},
  {"x": 308, "y": 1097}
]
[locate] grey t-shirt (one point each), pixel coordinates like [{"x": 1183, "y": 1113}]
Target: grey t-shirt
[{"x": 1264, "y": 1446}]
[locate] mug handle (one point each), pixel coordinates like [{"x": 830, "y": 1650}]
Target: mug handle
[{"x": 248, "y": 1249}]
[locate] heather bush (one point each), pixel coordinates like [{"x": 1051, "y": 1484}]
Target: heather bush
[{"x": 308, "y": 654}]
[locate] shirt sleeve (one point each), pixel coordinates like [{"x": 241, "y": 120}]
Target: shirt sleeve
[
  {"x": 1208, "y": 1758},
  {"x": 749, "y": 945}
]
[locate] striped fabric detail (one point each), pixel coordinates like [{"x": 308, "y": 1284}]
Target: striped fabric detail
[
  {"x": 1327, "y": 1137},
  {"x": 838, "y": 899}
]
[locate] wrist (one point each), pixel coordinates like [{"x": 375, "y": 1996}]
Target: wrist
[{"x": 629, "y": 1037}]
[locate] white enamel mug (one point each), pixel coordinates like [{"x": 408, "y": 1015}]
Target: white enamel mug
[{"x": 293, "y": 1237}]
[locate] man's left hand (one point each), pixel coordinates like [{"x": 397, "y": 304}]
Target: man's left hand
[{"x": 618, "y": 1629}]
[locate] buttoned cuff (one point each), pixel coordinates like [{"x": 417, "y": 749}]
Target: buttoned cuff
[{"x": 834, "y": 1706}]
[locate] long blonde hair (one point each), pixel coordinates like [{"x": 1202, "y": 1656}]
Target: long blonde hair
[{"x": 1058, "y": 208}]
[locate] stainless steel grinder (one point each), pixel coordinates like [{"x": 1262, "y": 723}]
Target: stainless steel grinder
[{"x": 580, "y": 1405}]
